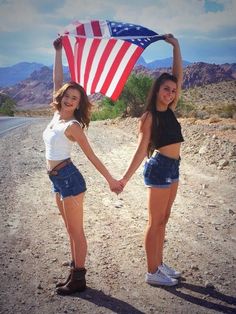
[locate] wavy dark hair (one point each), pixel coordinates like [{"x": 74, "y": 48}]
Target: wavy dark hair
[
  {"x": 156, "y": 126},
  {"x": 83, "y": 113}
]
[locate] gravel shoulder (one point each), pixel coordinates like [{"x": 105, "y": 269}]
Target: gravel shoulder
[{"x": 200, "y": 240}]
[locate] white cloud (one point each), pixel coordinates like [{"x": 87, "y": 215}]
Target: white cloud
[
  {"x": 18, "y": 15},
  {"x": 31, "y": 25},
  {"x": 180, "y": 16},
  {"x": 163, "y": 15},
  {"x": 176, "y": 16},
  {"x": 77, "y": 9}
]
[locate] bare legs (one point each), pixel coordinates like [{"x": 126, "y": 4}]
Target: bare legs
[
  {"x": 61, "y": 208},
  {"x": 71, "y": 209},
  {"x": 160, "y": 202}
]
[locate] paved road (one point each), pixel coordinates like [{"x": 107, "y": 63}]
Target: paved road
[{"x": 9, "y": 123}]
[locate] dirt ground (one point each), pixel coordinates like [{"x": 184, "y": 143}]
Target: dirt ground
[{"x": 200, "y": 240}]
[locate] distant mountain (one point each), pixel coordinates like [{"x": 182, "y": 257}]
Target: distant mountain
[
  {"x": 201, "y": 73},
  {"x": 163, "y": 63},
  {"x": 196, "y": 74},
  {"x": 36, "y": 91},
  {"x": 231, "y": 67},
  {"x": 18, "y": 72}
]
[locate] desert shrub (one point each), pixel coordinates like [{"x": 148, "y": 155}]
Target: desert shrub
[
  {"x": 185, "y": 108},
  {"x": 227, "y": 111},
  {"x": 7, "y": 105},
  {"x": 130, "y": 103},
  {"x": 201, "y": 114},
  {"x": 135, "y": 93},
  {"x": 109, "y": 109}
]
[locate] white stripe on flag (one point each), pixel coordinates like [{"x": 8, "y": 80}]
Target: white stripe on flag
[
  {"x": 122, "y": 66},
  {"x": 104, "y": 29},
  {"x": 88, "y": 30},
  {"x": 84, "y": 58},
  {"x": 96, "y": 60},
  {"x": 76, "y": 50},
  {"x": 108, "y": 64}
]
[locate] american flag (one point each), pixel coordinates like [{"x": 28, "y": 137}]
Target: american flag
[{"x": 104, "y": 53}]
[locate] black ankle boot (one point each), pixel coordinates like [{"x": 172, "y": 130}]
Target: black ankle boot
[
  {"x": 61, "y": 284},
  {"x": 76, "y": 283}
]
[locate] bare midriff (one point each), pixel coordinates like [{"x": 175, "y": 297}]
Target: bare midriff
[
  {"x": 171, "y": 151},
  {"x": 53, "y": 163}
]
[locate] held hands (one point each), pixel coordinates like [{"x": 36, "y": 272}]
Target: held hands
[
  {"x": 115, "y": 186},
  {"x": 123, "y": 182},
  {"x": 118, "y": 185}
]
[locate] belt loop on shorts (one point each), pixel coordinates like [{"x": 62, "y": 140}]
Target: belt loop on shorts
[
  {"x": 155, "y": 153},
  {"x": 54, "y": 171}
]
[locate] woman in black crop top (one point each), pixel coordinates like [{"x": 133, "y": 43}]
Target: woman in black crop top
[{"x": 160, "y": 139}]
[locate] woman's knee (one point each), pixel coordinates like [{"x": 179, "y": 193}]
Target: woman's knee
[
  {"x": 75, "y": 229},
  {"x": 157, "y": 224},
  {"x": 167, "y": 216}
]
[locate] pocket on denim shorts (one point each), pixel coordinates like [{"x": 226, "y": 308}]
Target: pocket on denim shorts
[
  {"x": 79, "y": 183},
  {"x": 156, "y": 170},
  {"x": 150, "y": 168},
  {"x": 61, "y": 183},
  {"x": 175, "y": 172},
  {"x": 147, "y": 169}
]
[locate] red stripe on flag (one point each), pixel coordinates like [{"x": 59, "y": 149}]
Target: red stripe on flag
[
  {"x": 96, "y": 28},
  {"x": 126, "y": 73},
  {"x": 70, "y": 56},
  {"x": 80, "y": 42},
  {"x": 89, "y": 61},
  {"x": 102, "y": 62},
  {"x": 120, "y": 54},
  {"x": 80, "y": 30}
]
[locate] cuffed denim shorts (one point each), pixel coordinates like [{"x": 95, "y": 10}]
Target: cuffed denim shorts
[
  {"x": 161, "y": 171},
  {"x": 68, "y": 181}
]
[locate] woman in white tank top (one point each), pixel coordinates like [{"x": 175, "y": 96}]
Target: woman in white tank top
[{"x": 72, "y": 115}]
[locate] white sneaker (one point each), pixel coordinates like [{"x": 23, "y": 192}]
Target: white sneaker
[
  {"x": 169, "y": 271},
  {"x": 160, "y": 278}
]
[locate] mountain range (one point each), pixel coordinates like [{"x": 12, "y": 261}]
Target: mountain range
[
  {"x": 163, "y": 63},
  {"x": 18, "y": 72},
  {"x": 34, "y": 90},
  {"x": 11, "y": 75}
]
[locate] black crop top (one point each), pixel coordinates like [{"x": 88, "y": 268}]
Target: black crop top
[{"x": 168, "y": 129}]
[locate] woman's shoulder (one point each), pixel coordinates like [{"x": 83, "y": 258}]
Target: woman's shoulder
[
  {"x": 73, "y": 128},
  {"x": 145, "y": 120},
  {"x": 146, "y": 117},
  {"x": 74, "y": 122}
]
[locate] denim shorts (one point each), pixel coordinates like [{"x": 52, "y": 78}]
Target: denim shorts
[
  {"x": 68, "y": 182},
  {"x": 161, "y": 171}
]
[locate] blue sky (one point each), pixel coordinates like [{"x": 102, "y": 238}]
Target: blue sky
[{"x": 206, "y": 29}]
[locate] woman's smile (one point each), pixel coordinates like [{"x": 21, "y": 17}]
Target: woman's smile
[{"x": 71, "y": 98}]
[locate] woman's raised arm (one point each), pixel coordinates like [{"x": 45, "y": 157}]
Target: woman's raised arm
[
  {"x": 57, "y": 69},
  {"x": 177, "y": 67}
]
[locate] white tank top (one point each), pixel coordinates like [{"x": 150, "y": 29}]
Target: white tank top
[{"x": 57, "y": 145}]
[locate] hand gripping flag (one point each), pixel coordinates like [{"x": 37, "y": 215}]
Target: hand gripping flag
[{"x": 104, "y": 53}]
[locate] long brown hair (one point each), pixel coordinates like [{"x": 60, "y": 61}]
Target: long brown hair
[
  {"x": 151, "y": 108},
  {"x": 83, "y": 113}
]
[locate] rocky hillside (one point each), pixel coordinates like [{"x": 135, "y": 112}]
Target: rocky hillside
[
  {"x": 197, "y": 74},
  {"x": 216, "y": 98},
  {"x": 36, "y": 91}
]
